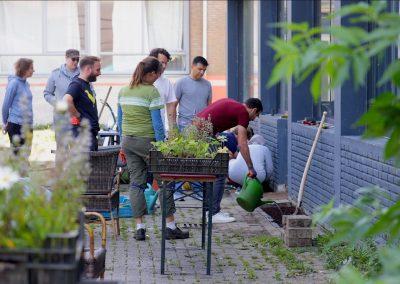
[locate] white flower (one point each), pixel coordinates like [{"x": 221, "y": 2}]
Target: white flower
[
  {"x": 61, "y": 106},
  {"x": 7, "y": 177}
]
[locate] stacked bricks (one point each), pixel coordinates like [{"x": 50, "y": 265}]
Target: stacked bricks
[{"x": 297, "y": 230}]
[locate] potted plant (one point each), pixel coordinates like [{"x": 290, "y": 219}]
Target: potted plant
[
  {"x": 41, "y": 225},
  {"x": 193, "y": 151}
]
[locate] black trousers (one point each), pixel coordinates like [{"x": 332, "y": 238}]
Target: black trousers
[
  {"x": 94, "y": 143},
  {"x": 15, "y": 135}
]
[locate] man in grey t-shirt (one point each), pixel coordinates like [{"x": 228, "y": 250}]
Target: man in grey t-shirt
[{"x": 193, "y": 92}]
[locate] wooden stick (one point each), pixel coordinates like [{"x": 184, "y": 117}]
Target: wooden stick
[
  {"x": 308, "y": 164},
  {"x": 105, "y": 101}
]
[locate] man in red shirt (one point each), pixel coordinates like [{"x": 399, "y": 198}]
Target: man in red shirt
[{"x": 225, "y": 114}]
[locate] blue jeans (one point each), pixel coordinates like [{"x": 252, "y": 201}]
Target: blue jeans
[{"x": 218, "y": 193}]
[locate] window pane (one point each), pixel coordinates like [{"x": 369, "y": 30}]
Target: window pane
[
  {"x": 18, "y": 35},
  {"x": 127, "y": 63},
  {"x": 327, "y": 97},
  {"x": 129, "y": 29},
  {"x": 250, "y": 49},
  {"x": 65, "y": 25},
  {"x": 42, "y": 64}
]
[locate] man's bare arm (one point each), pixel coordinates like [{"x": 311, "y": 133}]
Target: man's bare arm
[
  {"x": 71, "y": 106},
  {"x": 171, "y": 114},
  {"x": 243, "y": 146}
]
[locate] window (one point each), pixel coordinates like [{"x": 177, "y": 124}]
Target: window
[
  {"x": 251, "y": 19},
  {"x": 130, "y": 29},
  {"x": 53, "y": 27},
  {"x": 126, "y": 31},
  {"x": 327, "y": 97}
]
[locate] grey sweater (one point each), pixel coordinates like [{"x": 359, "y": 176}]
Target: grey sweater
[{"x": 58, "y": 83}]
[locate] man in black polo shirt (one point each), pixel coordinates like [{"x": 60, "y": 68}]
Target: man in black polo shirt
[{"x": 81, "y": 98}]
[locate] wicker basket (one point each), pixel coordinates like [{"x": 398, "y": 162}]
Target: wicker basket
[
  {"x": 163, "y": 165},
  {"x": 103, "y": 164}
]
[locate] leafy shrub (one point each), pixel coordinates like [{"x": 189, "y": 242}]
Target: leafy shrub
[
  {"x": 193, "y": 142},
  {"x": 350, "y": 54},
  {"x": 35, "y": 204}
]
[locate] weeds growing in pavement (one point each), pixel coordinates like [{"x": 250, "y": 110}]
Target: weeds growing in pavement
[{"x": 275, "y": 245}]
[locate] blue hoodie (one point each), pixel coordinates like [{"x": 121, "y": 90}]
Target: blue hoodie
[{"x": 17, "y": 105}]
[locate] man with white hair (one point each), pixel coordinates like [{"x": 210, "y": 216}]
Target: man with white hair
[{"x": 262, "y": 162}]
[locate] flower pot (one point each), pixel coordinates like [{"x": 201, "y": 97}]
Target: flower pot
[{"x": 58, "y": 261}]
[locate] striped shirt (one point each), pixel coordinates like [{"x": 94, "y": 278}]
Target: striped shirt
[{"x": 136, "y": 104}]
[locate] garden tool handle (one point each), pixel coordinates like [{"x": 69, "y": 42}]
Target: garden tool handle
[
  {"x": 308, "y": 164},
  {"x": 105, "y": 101}
]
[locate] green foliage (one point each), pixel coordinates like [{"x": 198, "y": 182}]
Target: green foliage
[
  {"x": 193, "y": 142},
  {"x": 366, "y": 218},
  {"x": 363, "y": 256},
  {"x": 348, "y": 56},
  {"x": 354, "y": 227},
  {"x": 35, "y": 204},
  {"x": 383, "y": 119}
]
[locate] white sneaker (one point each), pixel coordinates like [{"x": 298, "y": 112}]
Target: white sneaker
[
  {"x": 220, "y": 218},
  {"x": 225, "y": 214}
]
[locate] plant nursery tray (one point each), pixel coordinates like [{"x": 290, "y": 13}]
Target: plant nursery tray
[
  {"x": 58, "y": 261},
  {"x": 168, "y": 165}
]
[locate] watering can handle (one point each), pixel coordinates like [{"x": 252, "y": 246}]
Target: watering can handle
[{"x": 252, "y": 173}]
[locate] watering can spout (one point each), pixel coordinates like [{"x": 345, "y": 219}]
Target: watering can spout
[{"x": 264, "y": 202}]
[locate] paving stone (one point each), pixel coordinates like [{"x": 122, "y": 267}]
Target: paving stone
[{"x": 139, "y": 262}]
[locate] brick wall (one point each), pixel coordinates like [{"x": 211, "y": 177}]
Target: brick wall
[
  {"x": 274, "y": 130},
  {"x": 196, "y": 28},
  {"x": 362, "y": 164},
  {"x": 216, "y": 37},
  {"x": 216, "y": 42},
  {"x": 269, "y": 130},
  {"x": 319, "y": 187}
]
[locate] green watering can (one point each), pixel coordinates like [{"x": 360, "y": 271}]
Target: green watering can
[{"x": 250, "y": 196}]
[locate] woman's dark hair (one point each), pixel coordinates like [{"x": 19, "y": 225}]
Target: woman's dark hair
[
  {"x": 156, "y": 51},
  {"x": 147, "y": 65},
  {"x": 254, "y": 103},
  {"x": 22, "y": 66}
]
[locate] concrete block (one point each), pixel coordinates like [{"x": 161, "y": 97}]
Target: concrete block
[
  {"x": 298, "y": 233},
  {"x": 296, "y": 221}
]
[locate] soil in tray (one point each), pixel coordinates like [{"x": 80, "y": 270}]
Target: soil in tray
[{"x": 276, "y": 211}]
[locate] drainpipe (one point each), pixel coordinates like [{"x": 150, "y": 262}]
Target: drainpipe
[{"x": 205, "y": 29}]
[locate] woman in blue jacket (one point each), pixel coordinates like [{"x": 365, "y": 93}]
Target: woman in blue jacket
[{"x": 17, "y": 106}]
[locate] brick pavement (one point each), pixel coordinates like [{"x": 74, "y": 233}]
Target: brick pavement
[{"x": 235, "y": 258}]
